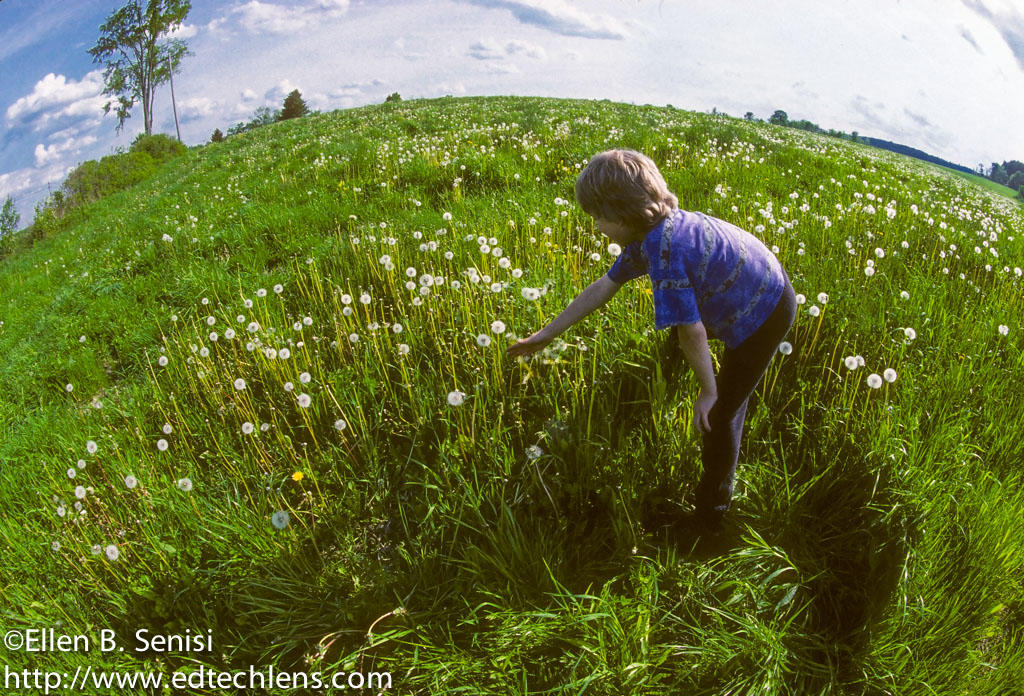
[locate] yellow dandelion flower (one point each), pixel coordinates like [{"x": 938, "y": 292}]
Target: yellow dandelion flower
[{"x": 297, "y": 476}]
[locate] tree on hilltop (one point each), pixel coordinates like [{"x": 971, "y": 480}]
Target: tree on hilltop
[
  {"x": 136, "y": 64},
  {"x": 293, "y": 106},
  {"x": 217, "y": 136}
]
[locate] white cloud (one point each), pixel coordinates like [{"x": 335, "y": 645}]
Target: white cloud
[
  {"x": 559, "y": 17},
  {"x": 257, "y": 17},
  {"x": 517, "y": 46},
  {"x": 486, "y": 49},
  {"x": 277, "y": 93},
  {"x": 355, "y": 89},
  {"x": 197, "y": 108},
  {"x": 59, "y": 95},
  {"x": 183, "y": 31},
  {"x": 56, "y": 152},
  {"x": 266, "y": 18},
  {"x": 502, "y": 69},
  {"x": 490, "y": 49}
]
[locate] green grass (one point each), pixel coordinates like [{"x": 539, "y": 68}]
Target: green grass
[
  {"x": 991, "y": 186},
  {"x": 875, "y": 543}
]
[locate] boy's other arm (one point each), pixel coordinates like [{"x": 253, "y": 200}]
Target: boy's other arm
[
  {"x": 593, "y": 296},
  {"x": 693, "y": 339}
]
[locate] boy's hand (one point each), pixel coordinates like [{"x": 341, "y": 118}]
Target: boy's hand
[
  {"x": 528, "y": 345},
  {"x": 701, "y": 410}
]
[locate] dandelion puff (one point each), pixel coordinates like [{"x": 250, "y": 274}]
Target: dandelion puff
[
  {"x": 340, "y": 425},
  {"x": 240, "y": 384},
  {"x": 874, "y": 380},
  {"x": 79, "y": 492},
  {"x": 860, "y": 360},
  {"x": 55, "y": 546},
  {"x": 498, "y": 326},
  {"x": 305, "y": 377},
  {"x": 851, "y": 362},
  {"x": 889, "y": 375},
  {"x": 161, "y": 445},
  {"x": 167, "y": 429},
  {"x": 280, "y": 519},
  {"x": 210, "y": 321},
  {"x": 614, "y": 249},
  {"x": 284, "y": 354},
  {"x": 247, "y": 428},
  {"x": 264, "y": 427},
  {"x": 130, "y": 481},
  {"x": 403, "y": 348},
  {"x": 80, "y": 463},
  {"x": 814, "y": 310},
  {"x": 185, "y": 484},
  {"x": 112, "y": 552},
  {"x": 483, "y": 340},
  {"x": 262, "y": 292},
  {"x": 364, "y": 298},
  {"x": 91, "y": 447},
  {"x": 162, "y": 361},
  {"x": 800, "y": 299},
  {"x": 823, "y": 297},
  {"x": 909, "y": 333},
  {"x": 530, "y": 294},
  {"x": 96, "y": 549},
  {"x": 1004, "y": 329},
  {"x": 785, "y": 347},
  {"x": 904, "y": 295},
  {"x": 278, "y": 288},
  {"x": 288, "y": 386},
  {"x": 396, "y": 328},
  {"x": 533, "y": 452},
  {"x": 869, "y": 271},
  {"x": 304, "y": 400},
  {"x": 61, "y": 511},
  {"x": 229, "y": 334}
]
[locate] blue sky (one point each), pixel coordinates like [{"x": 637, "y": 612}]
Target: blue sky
[{"x": 945, "y": 76}]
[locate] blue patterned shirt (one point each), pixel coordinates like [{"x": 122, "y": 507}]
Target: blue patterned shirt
[{"x": 705, "y": 269}]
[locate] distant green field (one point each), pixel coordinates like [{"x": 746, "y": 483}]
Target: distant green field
[
  {"x": 264, "y": 393},
  {"x": 991, "y": 186}
]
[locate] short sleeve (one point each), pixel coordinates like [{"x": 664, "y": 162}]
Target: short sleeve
[
  {"x": 631, "y": 263},
  {"x": 675, "y": 302}
]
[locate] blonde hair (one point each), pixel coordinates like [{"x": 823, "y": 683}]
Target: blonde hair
[{"x": 625, "y": 187}]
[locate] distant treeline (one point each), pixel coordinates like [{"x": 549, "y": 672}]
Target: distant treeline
[{"x": 1008, "y": 174}]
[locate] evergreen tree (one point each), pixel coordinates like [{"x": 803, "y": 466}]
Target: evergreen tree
[
  {"x": 217, "y": 136},
  {"x": 293, "y": 106}
]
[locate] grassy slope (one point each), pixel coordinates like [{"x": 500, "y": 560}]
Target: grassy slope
[
  {"x": 863, "y": 519},
  {"x": 992, "y": 186}
]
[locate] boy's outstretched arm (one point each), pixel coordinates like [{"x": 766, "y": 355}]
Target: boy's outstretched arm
[
  {"x": 693, "y": 339},
  {"x": 592, "y": 297}
]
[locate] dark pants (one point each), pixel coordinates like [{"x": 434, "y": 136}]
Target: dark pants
[{"x": 741, "y": 369}]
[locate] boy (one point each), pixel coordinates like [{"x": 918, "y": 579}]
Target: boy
[{"x": 709, "y": 279}]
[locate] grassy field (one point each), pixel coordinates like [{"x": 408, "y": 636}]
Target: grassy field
[
  {"x": 264, "y": 394},
  {"x": 991, "y": 186}
]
